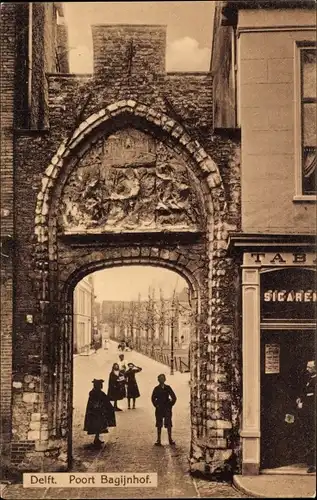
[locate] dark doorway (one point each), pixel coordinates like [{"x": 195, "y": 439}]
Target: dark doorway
[{"x": 284, "y": 355}]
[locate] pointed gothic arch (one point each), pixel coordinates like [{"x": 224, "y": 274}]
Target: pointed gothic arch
[
  {"x": 56, "y": 275},
  {"x": 114, "y": 116}
]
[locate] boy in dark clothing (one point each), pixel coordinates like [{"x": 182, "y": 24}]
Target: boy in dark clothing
[{"x": 163, "y": 398}]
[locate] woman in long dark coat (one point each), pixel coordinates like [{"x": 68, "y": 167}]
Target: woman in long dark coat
[
  {"x": 99, "y": 412},
  {"x": 132, "y": 386},
  {"x": 116, "y": 387}
]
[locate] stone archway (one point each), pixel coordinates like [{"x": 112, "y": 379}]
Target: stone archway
[
  {"x": 105, "y": 259},
  {"x": 62, "y": 256}
]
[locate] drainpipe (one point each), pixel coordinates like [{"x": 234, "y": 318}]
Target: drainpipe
[{"x": 30, "y": 58}]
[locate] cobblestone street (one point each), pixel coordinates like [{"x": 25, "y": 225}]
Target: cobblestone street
[{"x": 129, "y": 446}]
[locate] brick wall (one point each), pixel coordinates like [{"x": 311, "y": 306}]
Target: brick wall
[
  {"x": 222, "y": 67},
  {"x": 15, "y": 114},
  {"x": 7, "y": 75},
  {"x": 62, "y": 49},
  {"x": 136, "y": 51},
  {"x": 44, "y": 59}
]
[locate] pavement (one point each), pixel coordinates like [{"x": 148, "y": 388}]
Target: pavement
[
  {"x": 129, "y": 447},
  {"x": 277, "y": 485}
]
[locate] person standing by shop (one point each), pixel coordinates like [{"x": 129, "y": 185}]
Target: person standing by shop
[
  {"x": 132, "y": 386},
  {"x": 306, "y": 404},
  {"x": 99, "y": 412},
  {"x": 116, "y": 386},
  {"x": 163, "y": 398}
]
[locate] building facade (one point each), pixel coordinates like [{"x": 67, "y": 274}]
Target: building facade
[
  {"x": 33, "y": 41},
  {"x": 84, "y": 318},
  {"x": 267, "y": 88}
]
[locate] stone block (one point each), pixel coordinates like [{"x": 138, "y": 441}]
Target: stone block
[
  {"x": 281, "y": 70},
  {"x": 224, "y": 396},
  {"x": 219, "y": 443},
  {"x": 35, "y": 426},
  {"x": 221, "y": 455},
  {"x": 269, "y": 143},
  {"x": 216, "y": 433},
  {"x": 281, "y": 118},
  {"x": 33, "y": 435},
  {"x": 43, "y": 435},
  {"x": 30, "y": 397},
  {"x": 17, "y": 385},
  {"x": 41, "y": 446},
  {"x": 265, "y": 96},
  {"x": 255, "y": 71},
  {"x": 223, "y": 424},
  {"x": 271, "y": 45},
  {"x": 255, "y": 119},
  {"x": 35, "y": 417}
]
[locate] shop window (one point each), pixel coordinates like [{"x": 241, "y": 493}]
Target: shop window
[{"x": 306, "y": 121}]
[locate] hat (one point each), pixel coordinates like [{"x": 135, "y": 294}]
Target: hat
[
  {"x": 130, "y": 364},
  {"x": 97, "y": 380}
]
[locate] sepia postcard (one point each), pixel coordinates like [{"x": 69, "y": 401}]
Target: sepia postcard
[{"x": 158, "y": 249}]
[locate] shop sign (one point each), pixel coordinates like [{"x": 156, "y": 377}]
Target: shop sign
[
  {"x": 272, "y": 359},
  {"x": 288, "y": 294},
  {"x": 280, "y": 259}
]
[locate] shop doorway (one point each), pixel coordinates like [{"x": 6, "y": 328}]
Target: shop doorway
[{"x": 284, "y": 355}]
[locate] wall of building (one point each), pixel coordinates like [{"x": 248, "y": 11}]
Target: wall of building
[
  {"x": 49, "y": 41},
  {"x": 7, "y": 83},
  {"x": 83, "y": 316},
  {"x": 16, "y": 113},
  {"x": 267, "y": 116},
  {"x": 223, "y": 71}
]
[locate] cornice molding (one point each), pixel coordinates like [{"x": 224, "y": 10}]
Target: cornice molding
[{"x": 241, "y": 242}]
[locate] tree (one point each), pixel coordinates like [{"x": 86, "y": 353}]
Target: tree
[{"x": 131, "y": 319}]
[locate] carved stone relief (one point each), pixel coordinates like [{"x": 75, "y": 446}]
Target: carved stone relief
[{"x": 129, "y": 182}]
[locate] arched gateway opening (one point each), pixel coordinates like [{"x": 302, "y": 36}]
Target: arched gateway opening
[
  {"x": 153, "y": 311},
  {"x": 130, "y": 187}
]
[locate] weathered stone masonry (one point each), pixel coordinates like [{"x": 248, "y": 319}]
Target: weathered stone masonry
[{"x": 129, "y": 90}]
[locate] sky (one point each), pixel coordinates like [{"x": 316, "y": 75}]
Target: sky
[
  {"x": 189, "y": 29},
  {"x": 125, "y": 283}
]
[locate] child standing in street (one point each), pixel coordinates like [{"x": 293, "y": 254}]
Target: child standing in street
[
  {"x": 99, "y": 412},
  {"x": 132, "y": 386},
  {"x": 163, "y": 399}
]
